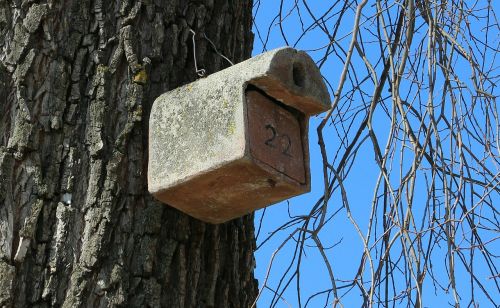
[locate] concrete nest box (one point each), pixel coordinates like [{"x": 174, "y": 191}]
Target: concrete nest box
[{"x": 236, "y": 141}]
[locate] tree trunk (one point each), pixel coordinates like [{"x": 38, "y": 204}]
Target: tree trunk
[{"x": 78, "y": 227}]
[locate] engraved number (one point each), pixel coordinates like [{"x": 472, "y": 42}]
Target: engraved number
[
  {"x": 287, "y": 145},
  {"x": 269, "y": 142},
  {"x": 287, "y": 141}
]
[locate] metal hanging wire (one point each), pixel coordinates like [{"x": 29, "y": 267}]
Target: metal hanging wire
[{"x": 200, "y": 71}]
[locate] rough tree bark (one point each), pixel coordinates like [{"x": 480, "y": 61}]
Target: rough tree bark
[{"x": 77, "y": 225}]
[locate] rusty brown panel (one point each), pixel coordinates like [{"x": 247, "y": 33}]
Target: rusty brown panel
[{"x": 275, "y": 136}]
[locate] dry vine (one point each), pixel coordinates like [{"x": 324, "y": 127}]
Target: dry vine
[{"x": 417, "y": 95}]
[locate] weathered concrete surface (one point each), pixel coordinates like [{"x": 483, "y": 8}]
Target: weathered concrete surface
[{"x": 208, "y": 149}]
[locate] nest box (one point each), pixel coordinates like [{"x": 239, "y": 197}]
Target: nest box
[{"x": 236, "y": 141}]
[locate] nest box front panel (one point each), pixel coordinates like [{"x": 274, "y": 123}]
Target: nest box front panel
[{"x": 275, "y": 136}]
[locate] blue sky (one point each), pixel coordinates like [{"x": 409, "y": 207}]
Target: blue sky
[{"x": 340, "y": 234}]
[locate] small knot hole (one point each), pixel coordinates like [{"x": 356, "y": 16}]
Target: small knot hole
[{"x": 271, "y": 182}]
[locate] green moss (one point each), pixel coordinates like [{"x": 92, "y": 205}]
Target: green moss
[{"x": 231, "y": 128}]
